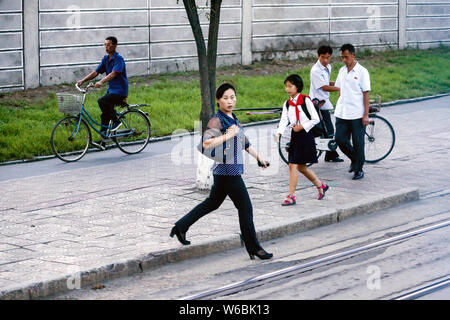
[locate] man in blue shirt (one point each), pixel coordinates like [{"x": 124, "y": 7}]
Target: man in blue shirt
[{"x": 113, "y": 65}]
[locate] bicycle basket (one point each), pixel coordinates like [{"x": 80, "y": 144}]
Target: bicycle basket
[{"x": 69, "y": 103}]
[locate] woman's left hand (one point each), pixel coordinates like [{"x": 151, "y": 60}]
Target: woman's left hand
[{"x": 297, "y": 128}]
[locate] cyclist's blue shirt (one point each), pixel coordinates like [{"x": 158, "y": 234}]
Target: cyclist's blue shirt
[{"x": 118, "y": 85}]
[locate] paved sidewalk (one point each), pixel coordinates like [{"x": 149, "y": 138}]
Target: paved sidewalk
[{"x": 88, "y": 225}]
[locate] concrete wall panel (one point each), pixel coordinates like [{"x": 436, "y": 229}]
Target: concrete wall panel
[
  {"x": 11, "y": 78},
  {"x": 66, "y": 56},
  {"x": 8, "y": 5},
  {"x": 184, "y": 33},
  {"x": 435, "y": 22},
  {"x": 89, "y": 4},
  {"x": 179, "y": 16},
  {"x": 67, "y": 74},
  {"x": 10, "y": 22},
  {"x": 289, "y": 28},
  {"x": 88, "y": 37},
  {"x": 363, "y": 25},
  {"x": 158, "y": 4},
  {"x": 188, "y": 49},
  {"x": 364, "y": 11},
  {"x": 68, "y": 20},
  {"x": 11, "y": 41},
  {"x": 11, "y": 59},
  {"x": 365, "y": 39},
  {"x": 428, "y": 36},
  {"x": 428, "y": 10},
  {"x": 289, "y": 13}
]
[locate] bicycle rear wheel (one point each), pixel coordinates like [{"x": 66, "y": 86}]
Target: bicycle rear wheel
[
  {"x": 134, "y": 134},
  {"x": 70, "y": 139},
  {"x": 283, "y": 146},
  {"x": 379, "y": 139}
]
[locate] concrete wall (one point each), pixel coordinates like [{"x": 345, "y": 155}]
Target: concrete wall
[
  {"x": 291, "y": 28},
  {"x": 62, "y": 40},
  {"x": 427, "y": 23},
  {"x": 11, "y": 45}
]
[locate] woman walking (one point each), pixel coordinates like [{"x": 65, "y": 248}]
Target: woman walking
[
  {"x": 302, "y": 147},
  {"x": 227, "y": 176}
]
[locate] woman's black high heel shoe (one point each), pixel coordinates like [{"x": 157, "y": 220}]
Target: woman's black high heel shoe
[
  {"x": 181, "y": 236},
  {"x": 262, "y": 254}
]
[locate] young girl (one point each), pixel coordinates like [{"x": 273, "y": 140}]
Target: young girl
[
  {"x": 302, "y": 147},
  {"x": 227, "y": 176}
]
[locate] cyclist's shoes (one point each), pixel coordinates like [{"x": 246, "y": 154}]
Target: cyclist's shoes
[
  {"x": 115, "y": 126},
  {"x": 100, "y": 145}
]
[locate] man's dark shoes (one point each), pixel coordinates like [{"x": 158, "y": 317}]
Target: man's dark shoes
[
  {"x": 358, "y": 175},
  {"x": 337, "y": 159},
  {"x": 180, "y": 235}
]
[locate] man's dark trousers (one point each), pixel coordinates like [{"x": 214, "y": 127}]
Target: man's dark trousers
[
  {"x": 355, "y": 150},
  {"x": 329, "y": 155},
  {"x": 107, "y": 104}
]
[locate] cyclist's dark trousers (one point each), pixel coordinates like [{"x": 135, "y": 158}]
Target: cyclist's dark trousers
[
  {"x": 355, "y": 150},
  {"x": 234, "y": 187},
  {"x": 107, "y": 103},
  {"x": 329, "y": 155}
]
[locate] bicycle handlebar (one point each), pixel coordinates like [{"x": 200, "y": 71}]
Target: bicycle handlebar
[{"x": 90, "y": 85}]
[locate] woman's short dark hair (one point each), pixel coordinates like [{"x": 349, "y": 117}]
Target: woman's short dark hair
[
  {"x": 325, "y": 50},
  {"x": 222, "y": 88},
  {"x": 113, "y": 39},
  {"x": 349, "y": 47},
  {"x": 296, "y": 80}
]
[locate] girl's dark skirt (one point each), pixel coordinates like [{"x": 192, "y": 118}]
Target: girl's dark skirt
[{"x": 302, "y": 148}]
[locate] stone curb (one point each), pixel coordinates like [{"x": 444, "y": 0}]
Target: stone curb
[
  {"x": 161, "y": 258},
  {"x": 165, "y": 138}
]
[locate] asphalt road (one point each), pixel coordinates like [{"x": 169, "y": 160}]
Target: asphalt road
[{"x": 383, "y": 273}]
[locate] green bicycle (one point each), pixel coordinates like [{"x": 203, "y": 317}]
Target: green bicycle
[{"x": 71, "y": 136}]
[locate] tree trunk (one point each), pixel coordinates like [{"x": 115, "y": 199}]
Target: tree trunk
[
  {"x": 213, "y": 35},
  {"x": 207, "y": 58}
]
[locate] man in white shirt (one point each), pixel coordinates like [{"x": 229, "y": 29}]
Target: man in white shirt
[
  {"x": 352, "y": 109},
  {"x": 320, "y": 88}
]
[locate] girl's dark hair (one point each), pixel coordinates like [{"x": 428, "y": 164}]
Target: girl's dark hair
[
  {"x": 222, "y": 88},
  {"x": 296, "y": 80}
]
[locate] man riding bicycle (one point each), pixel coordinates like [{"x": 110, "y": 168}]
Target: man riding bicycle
[{"x": 113, "y": 64}]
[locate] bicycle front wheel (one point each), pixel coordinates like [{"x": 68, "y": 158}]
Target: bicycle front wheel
[
  {"x": 379, "y": 139},
  {"x": 134, "y": 134},
  {"x": 70, "y": 139}
]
